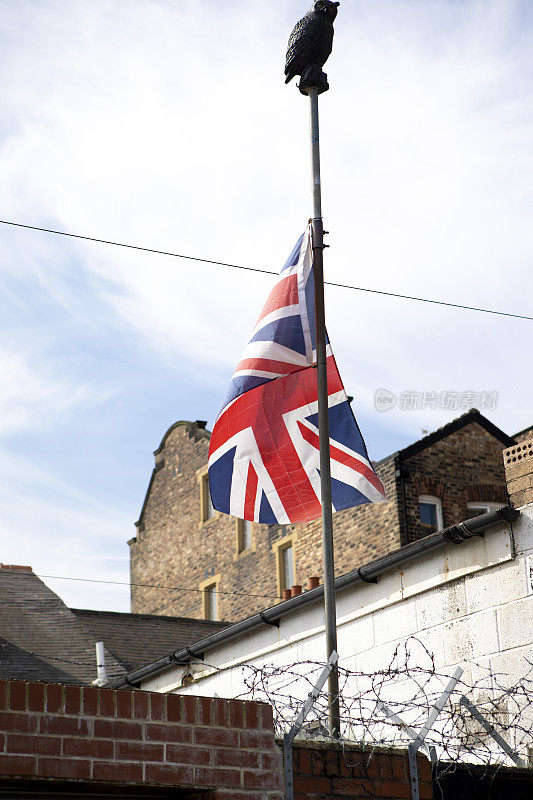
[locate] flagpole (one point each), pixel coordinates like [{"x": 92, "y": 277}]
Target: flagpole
[{"x": 323, "y": 418}]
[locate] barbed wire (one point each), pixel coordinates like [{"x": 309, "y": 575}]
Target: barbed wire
[
  {"x": 383, "y": 708},
  {"x": 409, "y": 686}
]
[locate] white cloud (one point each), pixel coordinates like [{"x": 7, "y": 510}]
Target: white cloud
[
  {"x": 143, "y": 126},
  {"x": 33, "y": 395},
  {"x": 60, "y": 531},
  {"x": 168, "y": 125}
]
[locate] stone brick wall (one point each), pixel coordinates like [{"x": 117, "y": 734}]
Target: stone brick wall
[
  {"x": 172, "y": 549},
  {"x": 518, "y": 462},
  {"x": 348, "y": 772},
  {"x": 70, "y": 733},
  {"x": 524, "y": 436}
]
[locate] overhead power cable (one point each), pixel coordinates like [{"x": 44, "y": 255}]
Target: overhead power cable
[
  {"x": 124, "y": 663},
  {"x": 140, "y": 585},
  {"x": 156, "y": 251}
]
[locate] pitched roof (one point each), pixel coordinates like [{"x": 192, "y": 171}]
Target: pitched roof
[
  {"x": 40, "y": 638},
  {"x": 137, "y": 639},
  {"x": 455, "y": 425},
  {"x": 524, "y": 434}
]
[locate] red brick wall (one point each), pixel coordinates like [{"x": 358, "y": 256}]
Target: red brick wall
[
  {"x": 72, "y": 733},
  {"x": 339, "y": 772}
]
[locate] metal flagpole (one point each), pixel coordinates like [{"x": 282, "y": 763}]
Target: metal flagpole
[{"x": 323, "y": 419}]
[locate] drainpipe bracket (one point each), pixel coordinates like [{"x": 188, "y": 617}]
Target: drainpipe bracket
[
  {"x": 365, "y": 579},
  {"x": 273, "y": 622}
]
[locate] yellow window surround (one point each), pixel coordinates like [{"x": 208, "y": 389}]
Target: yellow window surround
[
  {"x": 210, "y": 593},
  {"x": 278, "y": 547},
  {"x": 207, "y": 512}
]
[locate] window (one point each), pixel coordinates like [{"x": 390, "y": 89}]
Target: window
[
  {"x": 244, "y": 535},
  {"x": 430, "y": 510},
  {"x": 287, "y": 567},
  {"x": 285, "y": 554},
  {"x": 207, "y": 511},
  {"x": 210, "y": 605},
  {"x": 483, "y": 507}
]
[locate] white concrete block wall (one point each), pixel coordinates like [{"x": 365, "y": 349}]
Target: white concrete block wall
[
  {"x": 515, "y": 624},
  {"x": 470, "y": 605}
]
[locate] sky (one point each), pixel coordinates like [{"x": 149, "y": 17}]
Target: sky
[{"x": 168, "y": 125}]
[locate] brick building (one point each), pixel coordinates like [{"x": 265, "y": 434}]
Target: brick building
[{"x": 233, "y": 568}]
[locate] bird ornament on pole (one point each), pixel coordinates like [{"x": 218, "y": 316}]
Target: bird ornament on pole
[{"x": 310, "y": 45}]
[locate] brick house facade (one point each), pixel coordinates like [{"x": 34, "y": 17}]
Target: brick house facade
[{"x": 229, "y": 571}]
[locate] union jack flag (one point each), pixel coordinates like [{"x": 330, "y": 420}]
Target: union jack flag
[{"x": 264, "y": 461}]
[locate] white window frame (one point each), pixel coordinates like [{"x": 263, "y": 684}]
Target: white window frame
[
  {"x": 278, "y": 547},
  {"x": 431, "y": 499},
  {"x": 211, "y": 584},
  {"x": 484, "y": 505},
  {"x": 288, "y": 580}
]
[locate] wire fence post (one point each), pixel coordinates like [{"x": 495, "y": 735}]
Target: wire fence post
[
  {"x": 384, "y": 708},
  {"x": 486, "y": 725},
  {"x": 418, "y": 741},
  {"x": 288, "y": 739}
]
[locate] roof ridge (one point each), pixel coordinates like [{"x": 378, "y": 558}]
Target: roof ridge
[
  {"x": 153, "y": 617},
  {"x": 472, "y": 415}
]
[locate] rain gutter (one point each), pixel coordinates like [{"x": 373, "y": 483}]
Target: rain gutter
[{"x": 369, "y": 573}]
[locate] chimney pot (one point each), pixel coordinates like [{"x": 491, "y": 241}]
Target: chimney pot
[
  {"x": 286, "y": 594},
  {"x": 313, "y": 582},
  {"x": 296, "y": 590},
  {"x": 16, "y": 567}
]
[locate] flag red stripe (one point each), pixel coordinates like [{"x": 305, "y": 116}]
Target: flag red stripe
[
  {"x": 284, "y": 293},
  {"x": 244, "y": 411},
  {"x": 259, "y": 410},
  {"x": 251, "y": 492},
  {"x": 343, "y": 458}
]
